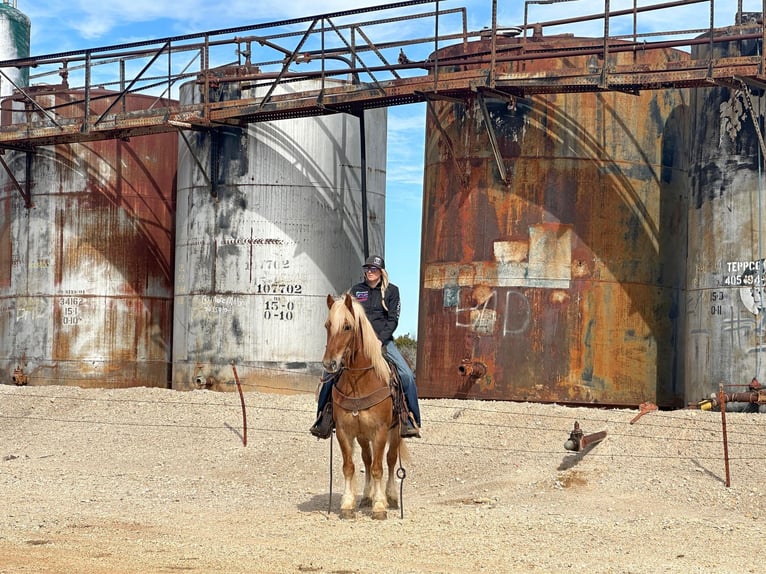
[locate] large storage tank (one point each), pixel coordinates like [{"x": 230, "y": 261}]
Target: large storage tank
[
  {"x": 15, "y": 32},
  {"x": 270, "y": 222},
  {"x": 727, "y": 222},
  {"x": 565, "y": 283},
  {"x": 86, "y": 236}
]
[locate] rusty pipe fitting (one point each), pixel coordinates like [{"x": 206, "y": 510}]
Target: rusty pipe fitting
[
  {"x": 578, "y": 440},
  {"x": 472, "y": 369},
  {"x": 19, "y": 377}
]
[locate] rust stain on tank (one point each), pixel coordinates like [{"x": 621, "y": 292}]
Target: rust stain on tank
[{"x": 557, "y": 281}]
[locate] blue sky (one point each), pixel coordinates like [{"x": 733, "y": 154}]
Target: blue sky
[{"x": 59, "y": 26}]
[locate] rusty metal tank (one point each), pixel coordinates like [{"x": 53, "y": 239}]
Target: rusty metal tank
[
  {"x": 270, "y": 221},
  {"x": 86, "y": 259},
  {"x": 563, "y": 282},
  {"x": 725, "y": 309}
]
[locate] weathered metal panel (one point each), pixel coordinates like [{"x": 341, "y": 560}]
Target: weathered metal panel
[
  {"x": 86, "y": 276},
  {"x": 269, "y": 222},
  {"x": 727, "y": 219},
  {"x": 562, "y": 284}
]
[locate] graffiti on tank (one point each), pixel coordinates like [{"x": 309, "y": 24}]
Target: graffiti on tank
[
  {"x": 40, "y": 264},
  {"x": 544, "y": 261},
  {"x": 481, "y": 318},
  {"x": 221, "y": 304},
  {"x": 740, "y": 327},
  {"x": 520, "y": 323}
]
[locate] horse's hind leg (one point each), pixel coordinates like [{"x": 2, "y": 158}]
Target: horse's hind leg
[
  {"x": 392, "y": 495},
  {"x": 348, "y": 500},
  {"x": 367, "y": 459}
]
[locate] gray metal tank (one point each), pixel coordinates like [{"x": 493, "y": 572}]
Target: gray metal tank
[
  {"x": 269, "y": 223},
  {"x": 15, "y": 32},
  {"x": 727, "y": 222},
  {"x": 86, "y": 278}
]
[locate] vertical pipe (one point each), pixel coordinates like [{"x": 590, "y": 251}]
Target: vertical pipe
[
  {"x": 86, "y": 113},
  {"x": 722, "y": 401},
  {"x": 436, "y": 49},
  {"x": 321, "y": 89},
  {"x": 204, "y": 66},
  {"x": 605, "y": 66},
  {"x": 493, "y": 44},
  {"x": 122, "y": 85},
  {"x": 170, "y": 74},
  {"x": 363, "y": 176}
]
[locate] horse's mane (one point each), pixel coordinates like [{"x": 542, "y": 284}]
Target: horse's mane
[{"x": 339, "y": 314}]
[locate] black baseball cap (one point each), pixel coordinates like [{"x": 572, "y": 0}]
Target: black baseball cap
[{"x": 375, "y": 261}]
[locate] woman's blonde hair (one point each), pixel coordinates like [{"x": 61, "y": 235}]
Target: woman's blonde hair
[{"x": 383, "y": 287}]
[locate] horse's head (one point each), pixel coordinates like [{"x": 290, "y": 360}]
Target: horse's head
[
  {"x": 341, "y": 331},
  {"x": 351, "y": 340}
]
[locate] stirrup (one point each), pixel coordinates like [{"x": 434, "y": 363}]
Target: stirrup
[
  {"x": 324, "y": 424},
  {"x": 408, "y": 428}
]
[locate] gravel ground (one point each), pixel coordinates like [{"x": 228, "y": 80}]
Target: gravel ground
[{"x": 149, "y": 480}]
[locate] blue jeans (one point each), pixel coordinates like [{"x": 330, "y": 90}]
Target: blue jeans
[{"x": 405, "y": 374}]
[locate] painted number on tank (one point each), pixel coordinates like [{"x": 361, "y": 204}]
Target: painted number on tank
[
  {"x": 716, "y": 308},
  {"x": 279, "y": 310},
  {"x": 275, "y": 264},
  {"x": 279, "y": 289},
  {"x": 70, "y": 310}
]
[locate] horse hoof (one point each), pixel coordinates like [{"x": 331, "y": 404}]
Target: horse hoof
[
  {"x": 393, "y": 503},
  {"x": 346, "y": 514},
  {"x": 381, "y": 515},
  {"x": 365, "y": 503}
]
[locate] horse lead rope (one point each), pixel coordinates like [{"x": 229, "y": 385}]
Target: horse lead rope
[
  {"x": 401, "y": 474},
  {"x": 329, "y": 502}
]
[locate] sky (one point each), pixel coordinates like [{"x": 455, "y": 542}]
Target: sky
[{"x": 59, "y": 26}]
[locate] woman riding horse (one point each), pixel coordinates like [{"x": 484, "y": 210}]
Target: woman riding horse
[
  {"x": 363, "y": 406},
  {"x": 381, "y": 303}
]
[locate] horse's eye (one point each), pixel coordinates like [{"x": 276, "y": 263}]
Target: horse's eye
[{"x": 347, "y": 327}]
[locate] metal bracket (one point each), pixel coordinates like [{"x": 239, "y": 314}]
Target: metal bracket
[
  {"x": 493, "y": 139},
  {"x": 26, "y": 192}
]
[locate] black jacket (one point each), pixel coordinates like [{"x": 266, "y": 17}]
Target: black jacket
[{"x": 384, "y": 322}]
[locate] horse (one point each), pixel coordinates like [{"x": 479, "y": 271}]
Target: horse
[{"x": 362, "y": 406}]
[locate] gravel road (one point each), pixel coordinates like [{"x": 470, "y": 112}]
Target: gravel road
[{"x": 153, "y": 481}]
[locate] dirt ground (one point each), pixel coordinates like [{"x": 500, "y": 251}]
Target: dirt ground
[{"x": 151, "y": 481}]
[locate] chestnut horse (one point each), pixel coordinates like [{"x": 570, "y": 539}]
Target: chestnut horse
[{"x": 362, "y": 406}]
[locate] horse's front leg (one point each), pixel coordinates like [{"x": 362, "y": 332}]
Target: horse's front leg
[
  {"x": 367, "y": 459},
  {"x": 348, "y": 501},
  {"x": 379, "y": 503}
]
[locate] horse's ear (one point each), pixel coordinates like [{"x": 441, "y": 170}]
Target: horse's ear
[
  {"x": 330, "y": 301},
  {"x": 349, "y": 303}
]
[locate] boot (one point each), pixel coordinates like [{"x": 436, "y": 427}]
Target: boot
[
  {"x": 324, "y": 424},
  {"x": 407, "y": 427}
]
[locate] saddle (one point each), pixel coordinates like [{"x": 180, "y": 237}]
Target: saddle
[{"x": 394, "y": 390}]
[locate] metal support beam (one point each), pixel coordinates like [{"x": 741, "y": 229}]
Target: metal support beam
[{"x": 490, "y": 126}]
